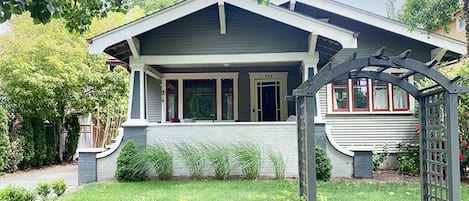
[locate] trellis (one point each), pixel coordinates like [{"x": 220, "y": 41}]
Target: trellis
[{"x": 439, "y": 147}]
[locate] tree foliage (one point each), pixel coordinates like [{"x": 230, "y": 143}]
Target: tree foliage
[
  {"x": 428, "y": 14},
  {"x": 4, "y": 141},
  {"x": 27, "y": 135},
  {"x": 73, "y": 130},
  {"x": 150, "y": 6},
  {"x": 76, "y": 14},
  {"x": 40, "y": 146}
]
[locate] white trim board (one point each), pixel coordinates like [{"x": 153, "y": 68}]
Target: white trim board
[
  {"x": 222, "y": 59},
  {"x": 383, "y": 23},
  {"x": 100, "y": 42}
]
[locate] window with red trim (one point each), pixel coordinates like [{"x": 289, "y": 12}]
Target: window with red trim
[
  {"x": 355, "y": 95},
  {"x": 380, "y": 96},
  {"x": 171, "y": 99},
  {"x": 340, "y": 95},
  {"x": 360, "y": 94}
]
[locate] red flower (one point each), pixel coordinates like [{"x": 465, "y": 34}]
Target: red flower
[
  {"x": 417, "y": 127},
  {"x": 461, "y": 156},
  {"x": 464, "y": 144}
]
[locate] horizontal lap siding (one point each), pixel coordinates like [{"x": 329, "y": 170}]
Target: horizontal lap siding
[
  {"x": 153, "y": 99},
  {"x": 372, "y": 131},
  {"x": 199, "y": 33}
]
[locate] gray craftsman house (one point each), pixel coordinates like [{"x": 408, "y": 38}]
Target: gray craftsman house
[{"x": 219, "y": 71}]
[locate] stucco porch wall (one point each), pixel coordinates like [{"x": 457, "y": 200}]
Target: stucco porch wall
[{"x": 276, "y": 136}]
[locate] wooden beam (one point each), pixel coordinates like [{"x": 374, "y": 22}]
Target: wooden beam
[
  {"x": 134, "y": 45},
  {"x": 222, "y": 17},
  {"x": 292, "y": 4},
  {"x": 312, "y": 41}
]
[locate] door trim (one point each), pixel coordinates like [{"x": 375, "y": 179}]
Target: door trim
[{"x": 268, "y": 76}]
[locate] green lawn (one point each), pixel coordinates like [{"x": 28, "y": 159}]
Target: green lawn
[{"x": 246, "y": 190}]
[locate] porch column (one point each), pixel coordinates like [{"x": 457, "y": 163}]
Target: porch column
[
  {"x": 135, "y": 126},
  {"x": 310, "y": 68}
]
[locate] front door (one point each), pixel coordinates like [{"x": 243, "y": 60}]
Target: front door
[
  {"x": 267, "y": 90},
  {"x": 268, "y": 100}
]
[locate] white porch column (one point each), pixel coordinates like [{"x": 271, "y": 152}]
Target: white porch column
[
  {"x": 137, "y": 97},
  {"x": 310, "y": 68}
]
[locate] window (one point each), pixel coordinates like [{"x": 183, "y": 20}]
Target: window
[
  {"x": 171, "y": 99},
  {"x": 400, "y": 99},
  {"x": 340, "y": 96},
  {"x": 200, "y": 96},
  {"x": 460, "y": 23},
  {"x": 227, "y": 99},
  {"x": 360, "y": 94},
  {"x": 200, "y": 99},
  {"x": 380, "y": 96},
  {"x": 354, "y": 95}
]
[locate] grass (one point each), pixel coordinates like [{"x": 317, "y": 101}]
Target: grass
[
  {"x": 157, "y": 157},
  {"x": 193, "y": 158},
  {"x": 249, "y": 190},
  {"x": 249, "y": 155}
]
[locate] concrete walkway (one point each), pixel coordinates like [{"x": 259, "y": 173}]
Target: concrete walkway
[{"x": 29, "y": 179}]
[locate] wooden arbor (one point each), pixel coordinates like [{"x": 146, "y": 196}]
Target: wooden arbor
[{"x": 439, "y": 140}]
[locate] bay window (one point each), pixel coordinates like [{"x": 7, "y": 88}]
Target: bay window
[{"x": 367, "y": 95}]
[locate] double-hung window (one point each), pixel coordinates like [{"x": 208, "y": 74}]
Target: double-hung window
[{"x": 367, "y": 95}]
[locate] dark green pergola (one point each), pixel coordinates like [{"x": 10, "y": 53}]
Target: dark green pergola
[{"x": 438, "y": 113}]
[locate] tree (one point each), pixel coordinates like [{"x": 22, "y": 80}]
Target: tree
[
  {"x": 428, "y": 14},
  {"x": 27, "y": 135},
  {"x": 77, "y": 14},
  {"x": 150, "y": 6},
  {"x": 73, "y": 130},
  {"x": 4, "y": 141},
  {"x": 391, "y": 9},
  {"x": 47, "y": 75}
]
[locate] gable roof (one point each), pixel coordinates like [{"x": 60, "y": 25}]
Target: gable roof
[
  {"x": 383, "y": 23},
  {"x": 100, "y": 42}
]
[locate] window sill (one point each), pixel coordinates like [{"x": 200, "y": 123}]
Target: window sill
[{"x": 366, "y": 112}]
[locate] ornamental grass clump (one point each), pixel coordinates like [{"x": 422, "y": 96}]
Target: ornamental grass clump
[
  {"x": 193, "y": 157},
  {"x": 157, "y": 157},
  {"x": 278, "y": 163},
  {"x": 220, "y": 157},
  {"x": 248, "y": 156}
]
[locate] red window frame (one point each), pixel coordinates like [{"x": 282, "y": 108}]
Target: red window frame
[
  {"x": 373, "y": 96},
  {"x": 177, "y": 99},
  {"x": 347, "y": 107},
  {"x": 408, "y": 101},
  {"x": 232, "y": 98},
  {"x": 367, "y": 96}
]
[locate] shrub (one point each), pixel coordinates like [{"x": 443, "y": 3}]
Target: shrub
[
  {"x": 125, "y": 170},
  {"x": 323, "y": 165},
  {"x": 193, "y": 158},
  {"x": 43, "y": 189},
  {"x": 248, "y": 156},
  {"x": 16, "y": 193},
  {"x": 51, "y": 140},
  {"x": 157, "y": 157},
  {"x": 71, "y": 142},
  {"x": 40, "y": 146},
  {"x": 27, "y": 134},
  {"x": 409, "y": 158},
  {"x": 220, "y": 158},
  {"x": 59, "y": 186},
  {"x": 379, "y": 158},
  {"x": 5, "y": 147},
  {"x": 278, "y": 163},
  {"x": 16, "y": 155}
]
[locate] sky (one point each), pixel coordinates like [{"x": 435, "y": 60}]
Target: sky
[{"x": 375, "y": 6}]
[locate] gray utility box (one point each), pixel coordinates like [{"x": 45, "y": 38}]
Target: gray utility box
[{"x": 363, "y": 164}]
